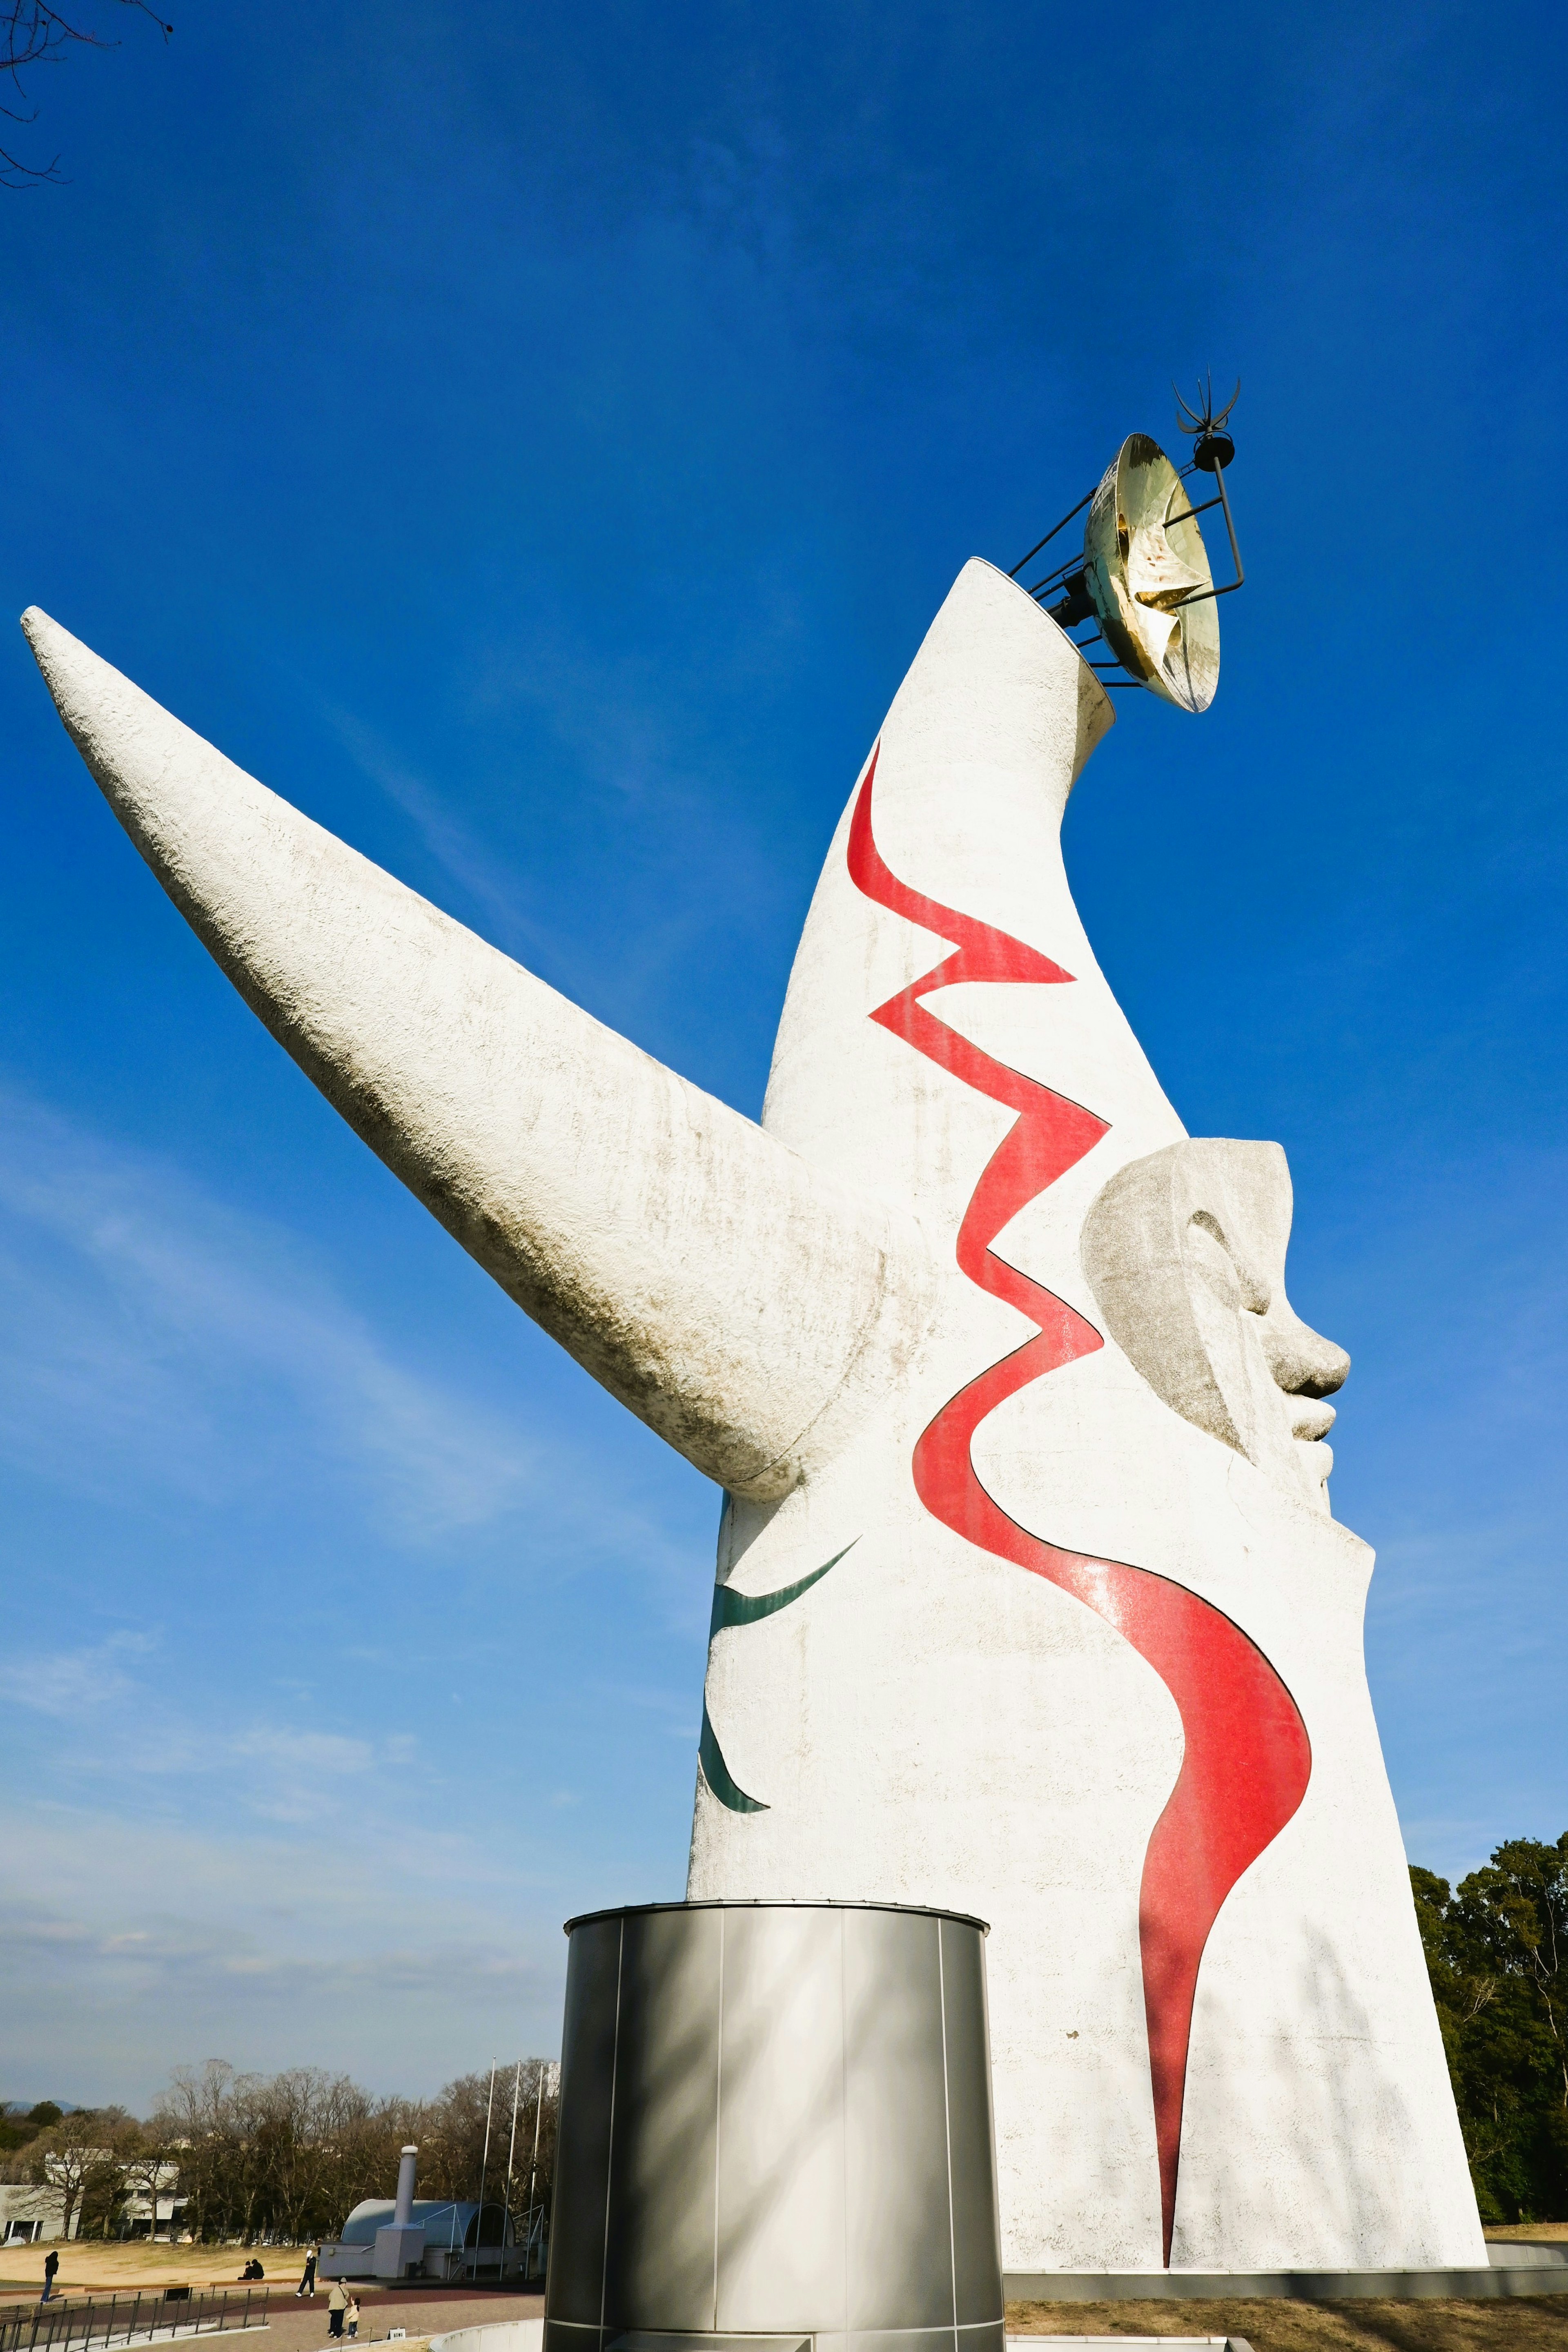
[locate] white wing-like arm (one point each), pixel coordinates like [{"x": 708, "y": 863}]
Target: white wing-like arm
[{"x": 742, "y": 1305}]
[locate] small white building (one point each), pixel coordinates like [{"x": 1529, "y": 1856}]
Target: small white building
[
  {"x": 136, "y": 2217},
  {"x": 30, "y": 2212}
]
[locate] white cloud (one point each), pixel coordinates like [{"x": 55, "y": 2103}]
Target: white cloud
[
  {"x": 289, "y": 1775},
  {"x": 306, "y": 1751},
  {"x": 400, "y": 1953},
  {"x": 69, "y": 1683}
]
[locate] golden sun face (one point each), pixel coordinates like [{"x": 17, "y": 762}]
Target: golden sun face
[{"x": 1145, "y": 564}]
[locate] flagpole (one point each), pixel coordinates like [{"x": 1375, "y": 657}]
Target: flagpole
[
  {"x": 512, "y": 2148},
  {"x": 484, "y": 2167}
]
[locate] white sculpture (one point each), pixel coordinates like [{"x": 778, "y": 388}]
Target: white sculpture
[{"x": 1029, "y": 1602}]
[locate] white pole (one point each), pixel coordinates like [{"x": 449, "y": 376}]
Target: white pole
[
  {"x": 484, "y": 2167},
  {"x": 511, "y": 2147},
  {"x": 534, "y": 2167},
  {"x": 538, "y": 2110}
]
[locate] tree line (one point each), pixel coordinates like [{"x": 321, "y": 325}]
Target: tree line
[
  {"x": 285, "y": 2158},
  {"x": 1496, "y": 1952}
]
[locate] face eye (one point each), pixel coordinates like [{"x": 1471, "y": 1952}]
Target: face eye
[
  {"x": 1208, "y": 1254},
  {"x": 1230, "y": 1273}
]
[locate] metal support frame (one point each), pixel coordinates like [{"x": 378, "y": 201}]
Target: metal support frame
[{"x": 1209, "y": 455}]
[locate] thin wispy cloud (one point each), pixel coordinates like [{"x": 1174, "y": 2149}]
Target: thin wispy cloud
[
  {"x": 605, "y": 718},
  {"x": 72, "y": 1683},
  {"x": 286, "y": 1774},
  {"x": 454, "y": 848},
  {"x": 132, "y": 1730},
  {"x": 394, "y": 1950},
  {"x": 603, "y": 708},
  {"x": 137, "y": 1303},
  {"x": 311, "y": 1753}
]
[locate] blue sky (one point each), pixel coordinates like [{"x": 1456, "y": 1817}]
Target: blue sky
[{"x": 535, "y": 441}]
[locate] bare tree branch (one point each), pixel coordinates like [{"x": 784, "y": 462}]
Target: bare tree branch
[{"x": 32, "y": 33}]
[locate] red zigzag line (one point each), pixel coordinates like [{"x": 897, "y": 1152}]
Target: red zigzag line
[{"x": 1247, "y": 1759}]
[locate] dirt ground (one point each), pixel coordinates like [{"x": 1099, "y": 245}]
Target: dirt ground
[
  {"x": 142, "y": 2269},
  {"x": 111, "y": 2268},
  {"x": 1519, "y": 2324}
]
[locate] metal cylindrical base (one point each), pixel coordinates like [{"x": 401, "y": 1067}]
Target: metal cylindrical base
[{"x": 776, "y": 2122}]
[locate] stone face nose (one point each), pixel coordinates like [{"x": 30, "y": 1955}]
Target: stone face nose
[
  {"x": 740, "y": 1302},
  {"x": 1303, "y": 1362}
]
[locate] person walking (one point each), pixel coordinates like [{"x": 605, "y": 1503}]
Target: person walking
[
  {"x": 51, "y": 2265},
  {"x": 308, "y": 2283},
  {"x": 351, "y": 2315},
  {"x": 337, "y": 2303}
]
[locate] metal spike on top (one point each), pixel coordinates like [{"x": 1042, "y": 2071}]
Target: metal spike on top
[{"x": 1214, "y": 447}]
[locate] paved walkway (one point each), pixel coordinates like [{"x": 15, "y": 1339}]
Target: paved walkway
[
  {"x": 424, "y": 2311},
  {"x": 301, "y": 2325}
]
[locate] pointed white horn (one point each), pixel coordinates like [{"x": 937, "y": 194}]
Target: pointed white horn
[{"x": 734, "y": 1299}]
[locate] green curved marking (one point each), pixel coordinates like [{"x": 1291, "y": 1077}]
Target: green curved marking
[
  {"x": 733, "y": 1608},
  {"x": 718, "y": 1775},
  {"x": 730, "y": 1608}
]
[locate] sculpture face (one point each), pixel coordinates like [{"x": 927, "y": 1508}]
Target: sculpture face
[
  {"x": 1186, "y": 1253},
  {"x": 1029, "y": 1602}
]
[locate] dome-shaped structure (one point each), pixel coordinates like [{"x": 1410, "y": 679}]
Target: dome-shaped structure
[{"x": 461, "y": 2224}]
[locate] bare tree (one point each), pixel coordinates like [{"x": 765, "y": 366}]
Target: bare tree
[
  {"x": 293, "y": 2155},
  {"x": 451, "y": 2135},
  {"x": 80, "y": 2157},
  {"x": 148, "y": 2166},
  {"x": 313, "y": 2126},
  {"x": 208, "y": 2117},
  {"x": 32, "y": 33}
]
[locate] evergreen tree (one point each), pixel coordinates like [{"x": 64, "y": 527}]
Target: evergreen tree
[{"x": 1497, "y": 1951}]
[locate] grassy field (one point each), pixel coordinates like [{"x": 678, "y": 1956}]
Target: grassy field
[{"x": 1521, "y": 2324}]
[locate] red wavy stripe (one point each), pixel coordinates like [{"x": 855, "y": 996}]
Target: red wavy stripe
[{"x": 1247, "y": 1759}]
